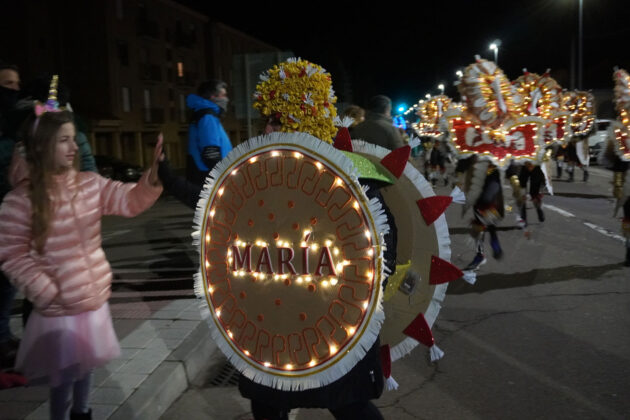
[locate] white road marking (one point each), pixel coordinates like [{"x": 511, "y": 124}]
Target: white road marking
[
  {"x": 558, "y": 210},
  {"x": 605, "y": 232}
]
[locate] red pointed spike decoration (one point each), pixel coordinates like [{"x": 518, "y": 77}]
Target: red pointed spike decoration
[
  {"x": 396, "y": 161},
  {"x": 419, "y": 330},
  {"x": 343, "y": 140},
  {"x": 443, "y": 271},
  {"x": 432, "y": 207}
]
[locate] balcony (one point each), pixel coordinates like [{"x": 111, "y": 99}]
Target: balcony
[
  {"x": 150, "y": 72},
  {"x": 153, "y": 115}
]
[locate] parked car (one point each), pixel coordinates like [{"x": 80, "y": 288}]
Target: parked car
[
  {"x": 116, "y": 169},
  {"x": 597, "y": 140}
]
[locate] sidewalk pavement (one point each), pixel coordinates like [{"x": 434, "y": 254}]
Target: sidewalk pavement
[{"x": 164, "y": 346}]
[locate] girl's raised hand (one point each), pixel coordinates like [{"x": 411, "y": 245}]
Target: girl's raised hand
[{"x": 157, "y": 153}]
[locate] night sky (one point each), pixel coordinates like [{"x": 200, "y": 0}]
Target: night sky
[{"x": 406, "y": 51}]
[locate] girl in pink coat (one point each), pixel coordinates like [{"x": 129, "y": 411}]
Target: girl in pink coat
[{"x": 50, "y": 247}]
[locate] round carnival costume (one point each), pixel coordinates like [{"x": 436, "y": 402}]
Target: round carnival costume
[
  {"x": 616, "y": 155},
  {"x": 295, "y": 245},
  {"x": 433, "y": 133},
  {"x": 581, "y": 106},
  {"x": 487, "y": 135}
]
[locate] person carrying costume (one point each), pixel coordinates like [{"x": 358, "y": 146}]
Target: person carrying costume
[{"x": 51, "y": 250}]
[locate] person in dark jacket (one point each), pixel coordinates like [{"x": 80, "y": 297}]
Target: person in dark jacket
[
  {"x": 207, "y": 141},
  {"x": 378, "y": 127}
]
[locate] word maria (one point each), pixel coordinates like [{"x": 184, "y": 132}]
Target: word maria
[{"x": 241, "y": 260}]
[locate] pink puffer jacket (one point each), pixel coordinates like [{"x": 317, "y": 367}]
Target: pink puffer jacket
[{"x": 72, "y": 275}]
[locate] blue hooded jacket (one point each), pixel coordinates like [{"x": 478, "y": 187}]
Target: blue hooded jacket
[{"x": 208, "y": 131}]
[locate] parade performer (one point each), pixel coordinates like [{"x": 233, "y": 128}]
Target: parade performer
[
  {"x": 51, "y": 250},
  {"x": 487, "y": 135},
  {"x": 430, "y": 128},
  {"x": 296, "y": 242},
  {"x": 581, "y": 106},
  {"x": 616, "y": 155}
]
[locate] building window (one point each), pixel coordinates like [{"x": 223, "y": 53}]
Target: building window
[
  {"x": 180, "y": 69},
  {"x": 147, "y": 105},
  {"x": 126, "y": 99},
  {"x": 123, "y": 52},
  {"x": 182, "y": 108}
]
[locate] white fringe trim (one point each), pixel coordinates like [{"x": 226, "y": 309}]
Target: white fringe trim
[
  {"x": 443, "y": 238},
  {"x": 458, "y": 196},
  {"x": 470, "y": 276},
  {"x": 391, "y": 384},
  {"x": 336, "y": 368},
  {"x": 436, "y": 353}
]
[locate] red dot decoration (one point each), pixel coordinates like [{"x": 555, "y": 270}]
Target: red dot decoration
[
  {"x": 260, "y": 317},
  {"x": 271, "y": 216},
  {"x": 291, "y": 204},
  {"x": 311, "y": 288},
  {"x": 303, "y": 316},
  {"x": 276, "y": 235},
  {"x": 243, "y": 295},
  {"x": 278, "y": 302},
  {"x": 287, "y": 282},
  {"x": 296, "y": 226},
  {"x": 235, "y": 236},
  {"x": 250, "y": 222},
  {"x": 313, "y": 221},
  {"x": 261, "y": 203}
]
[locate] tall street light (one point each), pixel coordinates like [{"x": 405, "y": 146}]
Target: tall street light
[
  {"x": 441, "y": 87},
  {"x": 495, "y": 47},
  {"x": 580, "y": 20}
]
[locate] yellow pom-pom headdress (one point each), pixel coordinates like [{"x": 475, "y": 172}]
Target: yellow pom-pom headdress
[
  {"x": 540, "y": 95},
  {"x": 299, "y": 94},
  {"x": 622, "y": 95}
]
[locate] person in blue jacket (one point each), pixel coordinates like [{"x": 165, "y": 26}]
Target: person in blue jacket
[{"x": 207, "y": 141}]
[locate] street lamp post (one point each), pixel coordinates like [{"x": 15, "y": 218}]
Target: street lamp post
[
  {"x": 441, "y": 87},
  {"x": 495, "y": 47},
  {"x": 428, "y": 96},
  {"x": 580, "y": 41}
]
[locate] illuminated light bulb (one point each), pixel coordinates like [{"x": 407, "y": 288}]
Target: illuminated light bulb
[
  {"x": 229, "y": 252},
  {"x": 262, "y": 276},
  {"x": 221, "y": 191},
  {"x": 285, "y": 244},
  {"x": 367, "y": 234},
  {"x": 299, "y": 280},
  {"x": 218, "y": 312},
  {"x": 307, "y": 232},
  {"x": 314, "y": 247},
  {"x": 275, "y": 153},
  {"x": 351, "y": 330},
  {"x": 308, "y": 278},
  {"x": 276, "y": 277},
  {"x": 371, "y": 252},
  {"x": 235, "y": 171},
  {"x": 355, "y": 204},
  {"x": 325, "y": 283},
  {"x": 345, "y": 262},
  {"x": 288, "y": 366},
  {"x": 207, "y": 264},
  {"x": 253, "y": 160},
  {"x": 246, "y": 352},
  {"x": 333, "y": 281},
  {"x": 230, "y": 334},
  {"x": 365, "y": 304},
  {"x": 267, "y": 364},
  {"x": 312, "y": 363},
  {"x": 230, "y": 260},
  {"x": 210, "y": 289},
  {"x": 339, "y": 267},
  {"x": 239, "y": 243},
  {"x": 369, "y": 273},
  {"x": 255, "y": 275},
  {"x": 336, "y": 251},
  {"x": 338, "y": 181},
  {"x": 303, "y": 244},
  {"x": 333, "y": 349},
  {"x": 328, "y": 242},
  {"x": 212, "y": 213},
  {"x": 319, "y": 165},
  {"x": 208, "y": 237},
  {"x": 298, "y": 155}
]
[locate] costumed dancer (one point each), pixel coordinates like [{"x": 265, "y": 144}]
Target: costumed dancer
[
  {"x": 296, "y": 241},
  {"x": 581, "y": 105},
  {"x": 430, "y": 128},
  {"x": 616, "y": 155},
  {"x": 487, "y": 135},
  {"x": 51, "y": 250}
]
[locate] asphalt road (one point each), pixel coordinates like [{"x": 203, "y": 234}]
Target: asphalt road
[{"x": 544, "y": 332}]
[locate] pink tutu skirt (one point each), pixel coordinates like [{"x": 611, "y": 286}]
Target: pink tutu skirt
[{"x": 59, "y": 349}]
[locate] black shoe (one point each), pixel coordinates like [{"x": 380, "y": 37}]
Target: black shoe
[
  {"x": 541, "y": 215},
  {"x": 81, "y": 416}
]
